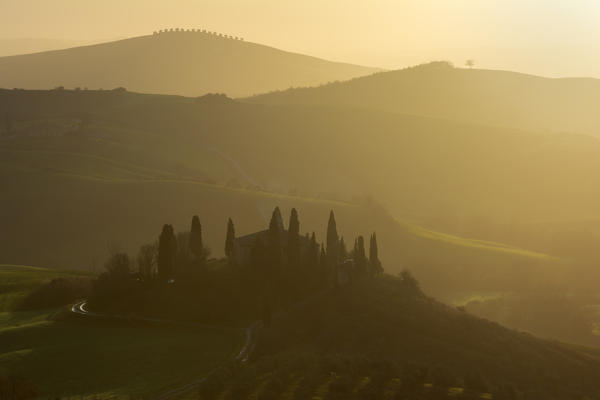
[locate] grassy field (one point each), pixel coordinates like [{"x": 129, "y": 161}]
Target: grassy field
[
  {"x": 473, "y": 243},
  {"x": 17, "y": 281},
  {"x": 65, "y": 356}
]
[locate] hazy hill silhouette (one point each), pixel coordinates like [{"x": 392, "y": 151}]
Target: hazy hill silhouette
[
  {"x": 185, "y": 63},
  {"x": 487, "y": 97},
  {"x": 12, "y": 47},
  {"x": 82, "y": 169}
]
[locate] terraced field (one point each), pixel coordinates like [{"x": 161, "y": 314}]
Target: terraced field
[{"x": 333, "y": 386}]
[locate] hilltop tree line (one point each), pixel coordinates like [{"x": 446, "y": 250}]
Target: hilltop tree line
[
  {"x": 280, "y": 268},
  {"x": 193, "y": 30}
]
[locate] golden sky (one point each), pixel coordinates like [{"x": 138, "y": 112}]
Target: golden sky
[{"x": 546, "y": 37}]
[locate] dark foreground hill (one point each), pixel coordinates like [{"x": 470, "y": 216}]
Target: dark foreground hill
[
  {"x": 184, "y": 63},
  {"x": 384, "y": 339},
  {"x": 497, "y": 98}
]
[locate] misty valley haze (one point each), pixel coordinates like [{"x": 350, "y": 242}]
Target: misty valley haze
[{"x": 189, "y": 214}]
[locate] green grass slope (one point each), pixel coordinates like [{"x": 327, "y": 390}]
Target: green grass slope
[
  {"x": 184, "y": 63},
  {"x": 17, "y": 282},
  {"x": 101, "y": 359},
  {"x": 62, "y": 355},
  {"x": 497, "y": 98}
]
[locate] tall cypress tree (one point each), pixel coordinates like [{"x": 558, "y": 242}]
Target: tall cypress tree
[
  {"x": 332, "y": 241},
  {"x": 312, "y": 257},
  {"x": 275, "y": 230},
  {"x": 275, "y": 252},
  {"x": 195, "y": 243},
  {"x": 230, "y": 239},
  {"x": 343, "y": 250},
  {"x": 374, "y": 263},
  {"x": 360, "y": 258},
  {"x": 276, "y": 224},
  {"x": 293, "y": 238},
  {"x": 167, "y": 248}
]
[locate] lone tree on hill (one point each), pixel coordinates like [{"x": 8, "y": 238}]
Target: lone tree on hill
[
  {"x": 470, "y": 63},
  {"x": 293, "y": 237},
  {"x": 375, "y": 264},
  {"x": 229, "y": 239},
  {"x": 167, "y": 248},
  {"x": 195, "y": 243}
]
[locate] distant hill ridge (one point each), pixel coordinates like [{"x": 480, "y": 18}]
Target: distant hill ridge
[
  {"x": 181, "y": 62},
  {"x": 195, "y": 30},
  {"x": 486, "y": 97}
]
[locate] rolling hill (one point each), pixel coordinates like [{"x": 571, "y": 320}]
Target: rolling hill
[
  {"x": 13, "y": 47},
  {"x": 184, "y": 63},
  {"x": 485, "y": 97},
  {"x": 384, "y": 339},
  {"x": 83, "y": 171}
]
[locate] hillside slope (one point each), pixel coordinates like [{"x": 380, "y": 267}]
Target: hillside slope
[
  {"x": 95, "y": 358},
  {"x": 85, "y": 170},
  {"x": 383, "y": 339},
  {"x": 184, "y": 63},
  {"x": 497, "y": 98}
]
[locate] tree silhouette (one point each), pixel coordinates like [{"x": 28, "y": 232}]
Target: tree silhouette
[
  {"x": 374, "y": 263},
  {"x": 470, "y": 63},
  {"x": 343, "y": 250},
  {"x": 195, "y": 243},
  {"x": 167, "y": 248},
  {"x": 146, "y": 260},
  {"x": 313, "y": 252},
  {"x": 293, "y": 237},
  {"x": 360, "y": 258},
  {"x": 332, "y": 241},
  {"x": 229, "y": 239}
]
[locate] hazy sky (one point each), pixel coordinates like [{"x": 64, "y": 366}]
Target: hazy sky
[{"x": 547, "y": 37}]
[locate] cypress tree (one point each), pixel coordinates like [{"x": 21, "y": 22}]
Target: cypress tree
[
  {"x": 167, "y": 248},
  {"x": 230, "y": 239},
  {"x": 293, "y": 237},
  {"x": 332, "y": 241},
  {"x": 374, "y": 262},
  {"x": 360, "y": 258},
  {"x": 343, "y": 250},
  {"x": 275, "y": 230},
  {"x": 312, "y": 259},
  {"x": 195, "y": 243},
  {"x": 275, "y": 253},
  {"x": 276, "y": 224}
]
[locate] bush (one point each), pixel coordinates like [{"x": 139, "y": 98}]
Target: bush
[{"x": 56, "y": 293}]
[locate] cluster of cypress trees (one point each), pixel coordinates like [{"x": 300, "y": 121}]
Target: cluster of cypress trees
[
  {"x": 281, "y": 268},
  {"x": 278, "y": 271}
]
